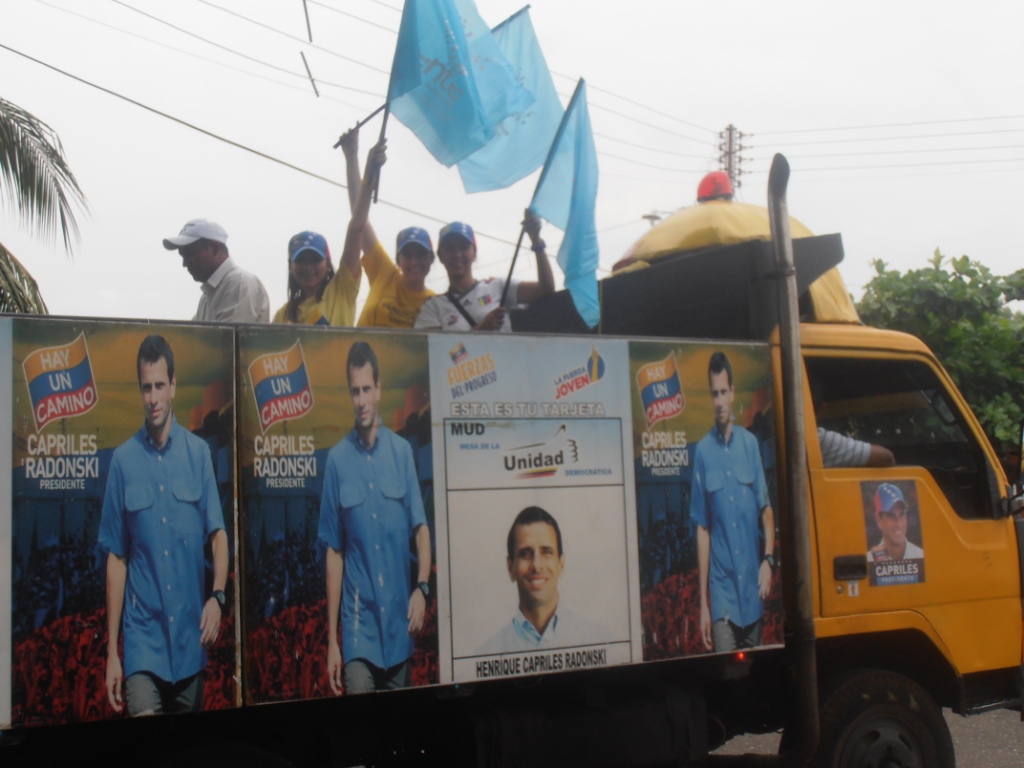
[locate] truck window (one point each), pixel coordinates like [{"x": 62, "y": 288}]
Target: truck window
[{"x": 902, "y": 405}]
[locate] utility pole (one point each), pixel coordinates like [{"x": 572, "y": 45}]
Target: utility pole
[{"x": 729, "y": 159}]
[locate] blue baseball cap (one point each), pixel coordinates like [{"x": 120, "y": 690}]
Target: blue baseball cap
[
  {"x": 887, "y": 496},
  {"x": 414, "y": 235},
  {"x": 456, "y": 229},
  {"x": 308, "y": 241}
]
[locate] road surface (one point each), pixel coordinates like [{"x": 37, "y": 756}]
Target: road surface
[{"x": 992, "y": 740}]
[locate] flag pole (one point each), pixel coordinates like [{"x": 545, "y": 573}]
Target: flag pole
[
  {"x": 508, "y": 280},
  {"x": 543, "y": 173},
  {"x": 383, "y": 127},
  {"x": 558, "y": 137},
  {"x": 364, "y": 121}
]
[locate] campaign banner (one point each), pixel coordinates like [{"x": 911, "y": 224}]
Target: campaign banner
[
  {"x": 702, "y": 449},
  {"x": 892, "y": 524},
  {"x": 122, "y": 473},
  {"x": 537, "y": 550},
  {"x": 336, "y": 502}
]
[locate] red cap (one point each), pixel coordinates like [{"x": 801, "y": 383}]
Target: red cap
[{"x": 715, "y": 186}]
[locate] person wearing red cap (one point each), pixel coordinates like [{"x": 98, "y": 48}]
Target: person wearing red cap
[
  {"x": 316, "y": 294},
  {"x": 715, "y": 186},
  {"x": 397, "y": 291},
  {"x": 475, "y": 305}
]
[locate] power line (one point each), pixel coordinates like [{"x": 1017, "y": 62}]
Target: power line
[
  {"x": 251, "y": 58},
  {"x": 915, "y": 137},
  {"x": 648, "y": 125},
  {"x": 377, "y": 69},
  {"x": 206, "y": 59},
  {"x": 904, "y": 152},
  {"x": 913, "y": 165},
  {"x": 377, "y": 2},
  {"x": 904, "y": 176},
  {"x": 178, "y": 120},
  {"x": 231, "y": 142},
  {"x": 648, "y": 165},
  {"x": 892, "y": 125},
  {"x": 357, "y": 17},
  {"x": 638, "y": 104},
  {"x": 650, "y": 149},
  {"x": 293, "y": 37}
]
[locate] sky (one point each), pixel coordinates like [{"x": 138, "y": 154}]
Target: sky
[{"x": 903, "y": 124}]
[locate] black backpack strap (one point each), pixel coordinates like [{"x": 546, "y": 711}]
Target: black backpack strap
[{"x": 462, "y": 310}]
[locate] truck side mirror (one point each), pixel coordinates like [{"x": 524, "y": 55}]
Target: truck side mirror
[
  {"x": 1014, "y": 501},
  {"x": 1019, "y": 479}
]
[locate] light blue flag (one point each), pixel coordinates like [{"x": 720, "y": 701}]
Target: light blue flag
[
  {"x": 522, "y": 140},
  {"x": 566, "y": 196},
  {"x": 450, "y": 83}
]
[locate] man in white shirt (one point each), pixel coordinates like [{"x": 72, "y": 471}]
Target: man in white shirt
[{"x": 230, "y": 294}]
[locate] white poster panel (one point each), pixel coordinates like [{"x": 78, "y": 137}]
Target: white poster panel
[{"x": 534, "y": 488}]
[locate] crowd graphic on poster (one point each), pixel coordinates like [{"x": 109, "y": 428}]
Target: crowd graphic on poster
[
  {"x": 537, "y": 531},
  {"x": 892, "y": 523},
  {"x": 704, "y": 472},
  {"x": 76, "y": 396},
  {"x": 308, "y": 405}
]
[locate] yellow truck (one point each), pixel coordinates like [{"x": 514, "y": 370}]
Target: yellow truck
[{"x": 724, "y": 511}]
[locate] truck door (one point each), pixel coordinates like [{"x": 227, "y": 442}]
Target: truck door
[{"x": 914, "y": 545}]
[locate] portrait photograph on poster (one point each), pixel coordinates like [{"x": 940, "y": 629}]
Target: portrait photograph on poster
[
  {"x": 892, "y": 523},
  {"x": 705, "y": 490},
  {"x": 537, "y": 573},
  {"x": 122, "y": 520},
  {"x": 538, "y": 552},
  {"x": 337, "y": 512}
]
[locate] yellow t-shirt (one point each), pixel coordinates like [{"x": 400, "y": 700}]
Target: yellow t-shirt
[
  {"x": 337, "y": 307},
  {"x": 390, "y": 304}
]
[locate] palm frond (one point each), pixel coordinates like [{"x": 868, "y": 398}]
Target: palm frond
[
  {"x": 18, "y": 290},
  {"x": 35, "y": 179}
]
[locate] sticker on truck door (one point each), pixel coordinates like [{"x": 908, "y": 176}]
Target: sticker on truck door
[{"x": 893, "y": 526}]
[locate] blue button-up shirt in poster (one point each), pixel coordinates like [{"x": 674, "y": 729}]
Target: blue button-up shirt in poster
[
  {"x": 728, "y": 494},
  {"x": 160, "y": 507},
  {"x": 370, "y": 508}
]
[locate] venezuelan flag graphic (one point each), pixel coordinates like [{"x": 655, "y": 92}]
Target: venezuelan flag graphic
[
  {"x": 60, "y": 381},
  {"x": 595, "y": 366},
  {"x": 280, "y": 385},
  {"x": 458, "y": 353},
  {"x": 660, "y": 390}
]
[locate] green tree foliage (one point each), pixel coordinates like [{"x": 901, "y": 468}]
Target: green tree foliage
[
  {"x": 964, "y": 313},
  {"x": 37, "y": 183}
]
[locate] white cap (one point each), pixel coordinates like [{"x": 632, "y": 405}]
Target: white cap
[{"x": 196, "y": 229}]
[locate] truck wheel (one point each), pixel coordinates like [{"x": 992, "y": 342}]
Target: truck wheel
[{"x": 878, "y": 718}]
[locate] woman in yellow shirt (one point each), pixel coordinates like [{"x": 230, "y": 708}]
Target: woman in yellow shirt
[
  {"x": 396, "y": 290},
  {"x": 316, "y": 294}
]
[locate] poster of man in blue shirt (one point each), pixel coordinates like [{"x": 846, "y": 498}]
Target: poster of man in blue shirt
[
  {"x": 160, "y": 510},
  {"x": 729, "y": 505},
  {"x": 370, "y": 510}
]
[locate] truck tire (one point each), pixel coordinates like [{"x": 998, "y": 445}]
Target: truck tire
[{"x": 878, "y": 718}]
